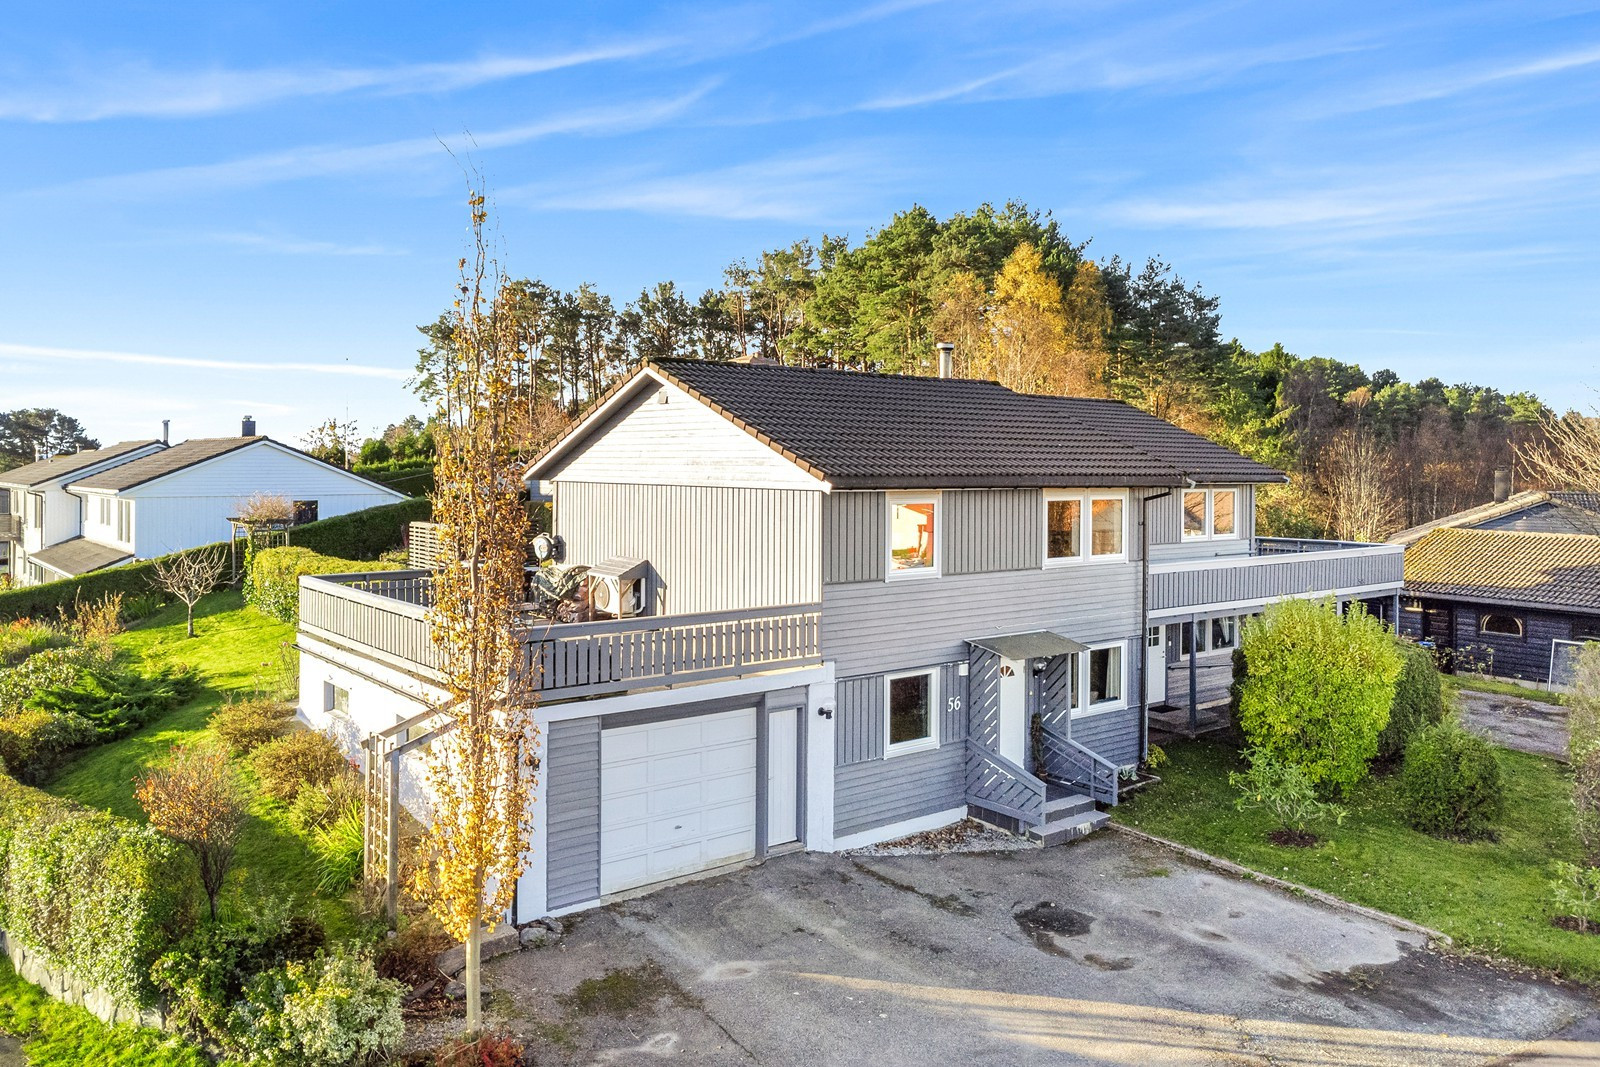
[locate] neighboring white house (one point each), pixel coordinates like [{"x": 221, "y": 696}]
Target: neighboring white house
[{"x": 148, "y": 499}]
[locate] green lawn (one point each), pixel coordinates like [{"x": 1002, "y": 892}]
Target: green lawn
[
  {"x": 1489, "y": 896},
  {"x": 237, "y": 651}
]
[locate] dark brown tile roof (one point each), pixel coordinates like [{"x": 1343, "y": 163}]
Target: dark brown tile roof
[
  {"x": 1551, "y": 570},
  {"x": 79, "y": 556},
  {"x": 59, "y": 466},
  {"x": 167, "y": 461},
  {"x": 870, "y": 431}
]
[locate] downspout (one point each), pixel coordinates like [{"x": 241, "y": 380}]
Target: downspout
[{"x": 1144, "y": 620}]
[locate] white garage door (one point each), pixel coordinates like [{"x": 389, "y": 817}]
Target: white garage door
[{"x": 676, "y": 797}]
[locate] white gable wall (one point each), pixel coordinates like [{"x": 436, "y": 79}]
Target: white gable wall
[
  {"x": 191, "y": 507},
  {"x": 679, "y": 442}
]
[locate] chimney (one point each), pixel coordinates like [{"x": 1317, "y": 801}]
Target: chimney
[
  {"x": 1502, "y": 485},
  {"x": 165, "y": 425},
  {"x": 947, "y": 353},
  {"x": 247, "y": 428}
]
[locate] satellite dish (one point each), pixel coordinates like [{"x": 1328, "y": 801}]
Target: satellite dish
[{"x": 547, "y": 547}]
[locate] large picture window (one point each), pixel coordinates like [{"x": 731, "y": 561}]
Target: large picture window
[
  {"x": 913, "y": 535},
  {"x": 1067, "y": 513},
  {"x": 1098, "y": 680},
  {"x": 912, "y": 722}
]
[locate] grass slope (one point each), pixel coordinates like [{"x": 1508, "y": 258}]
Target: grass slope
[
  {"x": 1490, "y": 896},
  {"x": 238, "y": 651}
]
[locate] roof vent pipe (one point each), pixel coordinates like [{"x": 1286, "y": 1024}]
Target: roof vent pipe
[
  {"x": 165, "y": 425},
  {"x": 1502, "y": 485},
  {"x": 247, "y": 428},
  {"x": 947, "y": 353}
]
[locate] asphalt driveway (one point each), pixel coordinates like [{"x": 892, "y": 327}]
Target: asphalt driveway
[{"x": 1108, "y": 951}]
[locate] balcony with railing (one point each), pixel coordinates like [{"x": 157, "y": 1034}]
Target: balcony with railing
[
  {"x": 1274, "y": 568},
  {"x": 383, "y": 616}
]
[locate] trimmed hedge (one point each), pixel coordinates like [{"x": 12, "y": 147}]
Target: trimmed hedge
[
  {"x": 361, "y": 535},
  {"x": 1418, "y": 700},
  {"x": 48, "y": 600},
  {"x": 101, "y": 897},
  {"x": 1451, "y": 782},
  {"x": 272, "y": 584}
]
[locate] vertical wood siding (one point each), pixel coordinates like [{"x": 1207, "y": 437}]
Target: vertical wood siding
[
  {"x": 573, "y": 797},
  {"x": 1166, "y": 528},
  {"x": 993, "y": 530},
  {"x": 854, "y": 537},
  {"x": 860, "y": 734},
  {"x": 888, "y": 626},
  {"x": 711, "y": 548}
]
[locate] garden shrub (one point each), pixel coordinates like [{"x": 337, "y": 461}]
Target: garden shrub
[
  {"x": 1450, "y": 783},
  {"x": 1284, "y": 790},
  {"x": 1418, "y": 699},
  {"x": 300, "y": 759},
  {"x": 486, "y": 1050},
  {"x": 246, "y": 725},
  {"x": 49, "y": 599},
  {"x": 338, "y": 846},
  {"x": 272, "y": 583},
  {"x": 1583, "y": 749},
  {"x": 21, "y": 638},
  {"x": 1317, "y": 689},
  {"x": 315, "y": 806},
  {"x": 32, "y": 741},
  {"x": 330, "y": 1011},
  {"x": 118, "y": 697},
  {"x": 204, "y": 976},
  {"x": 1575, "y": 891},
  {"x": 362, "y": 535},
  {"x": 101, "y": 897}
]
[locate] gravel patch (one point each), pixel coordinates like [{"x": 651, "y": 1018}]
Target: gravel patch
[{"x": 968, "y": 835}]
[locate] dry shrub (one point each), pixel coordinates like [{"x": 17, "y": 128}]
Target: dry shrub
[
  {"x": 293, "y": 762},
  {"x": 264, "y": 507},
  {"x": 248, "y": 724}
]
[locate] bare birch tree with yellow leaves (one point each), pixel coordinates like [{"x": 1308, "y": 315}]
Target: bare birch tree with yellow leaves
[{"x": 480, "y": 769}]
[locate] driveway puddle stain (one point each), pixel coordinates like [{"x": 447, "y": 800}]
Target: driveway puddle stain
[
  {"x": 661, "y": 1045},
  {"x": 1045, "y": 920},
  {"x": 1105, "y": 963},
  {"x": 949, "y": 902},
  {"x": 1212, "y": 935}
]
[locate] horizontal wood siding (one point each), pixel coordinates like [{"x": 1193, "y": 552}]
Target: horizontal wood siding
[
  {"x": 572, "y": 792},
  {"x": 854, "y": 537},
  {"x": 680, "y": 442},
  {"x": 993, "y": 530},
  {"x": 1112, "y": 735},
  {"x": 880, "y": 792},
  {"x": 1526, "y": 657},
  {"x": 1263, "y": 578},
  {"x": 887, "y": 626},
  {"x": 710, "y": 548}
]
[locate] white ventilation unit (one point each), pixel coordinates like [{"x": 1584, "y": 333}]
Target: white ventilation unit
[{"x": 617, "y": 587}]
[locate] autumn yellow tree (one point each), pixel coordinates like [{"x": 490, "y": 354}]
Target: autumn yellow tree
[
  {"x": 960, "y": 317},
  {"x": 1087, "y": 330},
  {"x": 1027, "y": 327},
  {"x": 480, "y": 768}
]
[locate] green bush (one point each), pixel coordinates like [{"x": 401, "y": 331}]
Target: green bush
[
  {"x": 204, "y": 976},
  {"x": 361, "y": 534},
  {"x": 315, "y": 806},
  {"x": 48, "y": 600},
  {"x": 24, "y": 637},
  {"x": 303, "y": 758},
  {"x": 99, "y": 896},
  {"x": 246, "y": 725},
  {"x": 118, "y": 697},
  {"x": 1418, "y": 700},
  {"x": 272, "y": 584},
  {"x": 1283, "y": 790},
  {"x": 1450, "y": 783},
  {"x": 32, "y": 741},
  {"x": 338, "y": 846},
  {"x": 330, "y": 1011},
  {"x": 1317, "y": 689}
]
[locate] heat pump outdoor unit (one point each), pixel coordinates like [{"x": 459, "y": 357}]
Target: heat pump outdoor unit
[{"x": 617, "y": 587}]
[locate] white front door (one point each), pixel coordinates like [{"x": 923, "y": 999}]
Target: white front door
[
  {"x": 783, "y": 777},
  {"x": 1155, "y": 677},
  {"x": 1014, "y": 710},
  {"x": 676, "y": 797}
]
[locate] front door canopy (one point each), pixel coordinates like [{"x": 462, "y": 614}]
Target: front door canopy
[{"x": 1035, "y": 644}]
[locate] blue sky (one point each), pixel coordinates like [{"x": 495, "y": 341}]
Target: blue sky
[{"x": 214, "y": 210}]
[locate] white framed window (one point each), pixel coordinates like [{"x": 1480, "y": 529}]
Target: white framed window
[
  {"x": 913, "y": 546},
  {"x": 335, "y": 699},
  {"x": 125, "y": 521},
  {"x": 1098, "y": 679},
  {"x": 1501, "y": 625},
  {"x": 105, "y": 511},
  {"x": 1212, "y": 635},
  {"x": 911, "y": 716},
  {"x": 1085, "y": 525},
  {"x": 1210, "y": 513}
]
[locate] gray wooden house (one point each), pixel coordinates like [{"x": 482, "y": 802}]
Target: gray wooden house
[{"x": 848, "y": 607}]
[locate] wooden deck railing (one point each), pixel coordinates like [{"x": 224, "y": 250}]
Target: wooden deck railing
[
  {"x": 996, "y": 783},
  {"x": 1278, "y": 568},
  {"x": 384, "y": 615},
  {"x": 1071, "y": 763}
]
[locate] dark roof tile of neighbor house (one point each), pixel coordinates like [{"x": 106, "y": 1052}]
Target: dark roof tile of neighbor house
[
  {"x": 59, "y": 466},
  {"x": 167, "y": 461},
  {"x": 1553, "y": 570},
  {"x": 868, "y": 431}
]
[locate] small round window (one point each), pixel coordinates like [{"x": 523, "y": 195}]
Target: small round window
[{"x": 1504, "y": 625}]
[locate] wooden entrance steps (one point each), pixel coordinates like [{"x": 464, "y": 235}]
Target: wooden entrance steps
[{"x": 1068, "y": 815}]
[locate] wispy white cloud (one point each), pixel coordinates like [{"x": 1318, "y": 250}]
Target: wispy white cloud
[
  {"x": 139, "y": 91},
  {"x": 283, "y": 244},
  {"x": 35, "y": 353},
  {"x": 315, "y": 161},
  {"x": 1442, "y": 84},
  {"x": 829, "y": 185}
]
